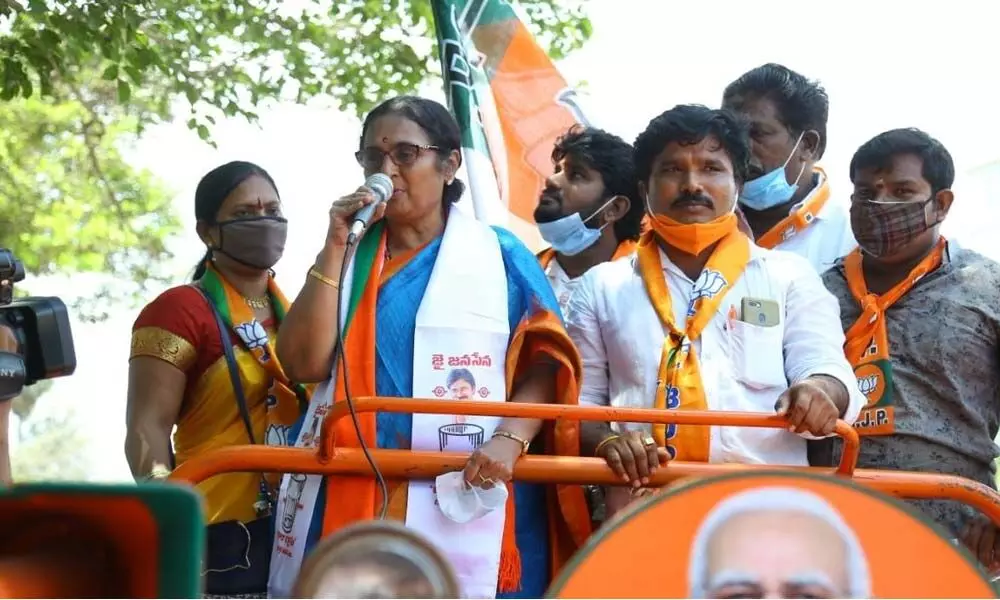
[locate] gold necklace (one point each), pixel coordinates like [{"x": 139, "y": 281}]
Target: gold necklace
[{"x": 258, "y": 302}]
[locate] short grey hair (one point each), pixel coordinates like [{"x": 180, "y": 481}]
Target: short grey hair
[{"x": 773, "y": 499}]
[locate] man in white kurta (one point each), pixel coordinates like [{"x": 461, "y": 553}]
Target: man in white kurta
[{"x": 750, "y": 329}]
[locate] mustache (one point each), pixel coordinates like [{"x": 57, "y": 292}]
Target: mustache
[
  {"x": 701, "y": 199},
  {"x": 551, "y": 194}
]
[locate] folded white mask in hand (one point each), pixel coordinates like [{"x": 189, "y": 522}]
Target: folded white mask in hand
[{"x": 462, "y": 503}]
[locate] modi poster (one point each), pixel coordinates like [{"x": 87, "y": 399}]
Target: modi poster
[{"x": 771, "y": 535}]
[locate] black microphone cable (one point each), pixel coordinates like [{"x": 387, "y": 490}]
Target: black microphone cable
[{"x": 340, "y": 355}]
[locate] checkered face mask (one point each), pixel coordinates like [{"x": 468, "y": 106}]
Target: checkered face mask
[{"x": 882, "y": 227}]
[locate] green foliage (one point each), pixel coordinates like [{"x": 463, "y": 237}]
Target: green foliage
[
  {"x": 70, "y": 203},
  {"x": 80, "y": 78},
  {"x": 233, "y": 54}
]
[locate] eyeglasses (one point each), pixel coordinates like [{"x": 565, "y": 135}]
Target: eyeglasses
[{"x": 402, "y": 154}]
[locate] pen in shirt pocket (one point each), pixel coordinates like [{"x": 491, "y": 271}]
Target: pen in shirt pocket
[{"x": 732, "y": 315}]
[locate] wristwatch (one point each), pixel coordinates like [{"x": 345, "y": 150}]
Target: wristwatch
[{"x": 510, "y": 436}]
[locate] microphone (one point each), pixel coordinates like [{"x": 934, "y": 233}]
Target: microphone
[{"x": 381, "y": 187}]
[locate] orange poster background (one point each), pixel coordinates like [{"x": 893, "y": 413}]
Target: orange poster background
[{"x": 646, "y": 555}]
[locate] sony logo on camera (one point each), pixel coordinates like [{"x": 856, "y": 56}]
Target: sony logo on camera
[{"x": 41, "y": 327}]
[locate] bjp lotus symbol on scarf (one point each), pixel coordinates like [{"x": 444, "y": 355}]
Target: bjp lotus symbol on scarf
[
  {"x": 254, "y": 336},
  {"x": 871, "y": 382},
  {"x": 710, "y": 283}
]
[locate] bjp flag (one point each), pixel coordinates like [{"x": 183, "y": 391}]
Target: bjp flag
[{"x": 511, "y": 103}]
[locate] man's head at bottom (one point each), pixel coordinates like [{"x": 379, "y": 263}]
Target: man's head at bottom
[
  {"x": 376, "y": 559},
  {"x": 777, "y": 543}
]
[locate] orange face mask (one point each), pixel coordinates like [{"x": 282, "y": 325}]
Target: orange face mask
[{"x": 693, "y": 238}]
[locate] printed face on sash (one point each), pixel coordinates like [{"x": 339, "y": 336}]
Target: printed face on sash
[
  {"x": 692, "y": 183},
  {"x": 462, "y": 390},
  {"x": 461, "y": 384},
  {"x": 806, "y": 558}
]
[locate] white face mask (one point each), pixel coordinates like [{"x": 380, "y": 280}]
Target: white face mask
[
  {"x": 570, "y": 235},
  {"x": 462, "y": 503}
]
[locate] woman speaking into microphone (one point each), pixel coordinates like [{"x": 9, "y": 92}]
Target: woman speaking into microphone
[{"x": 429, "y": 296}]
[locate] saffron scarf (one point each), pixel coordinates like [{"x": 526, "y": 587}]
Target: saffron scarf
[
  {"x": 624, "y": 249},
  {"x": 679, "y": 384},
  {"x": 800, "y": 217},
  {"x": 285, "y": 400},
  {"x": 867, "y": 340}
]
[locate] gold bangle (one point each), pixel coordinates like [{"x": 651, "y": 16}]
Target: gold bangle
[
  {"x": 315, "y": 274},
  {"x": 510, "y": 436},
  {"x": 605, "y": 442}
]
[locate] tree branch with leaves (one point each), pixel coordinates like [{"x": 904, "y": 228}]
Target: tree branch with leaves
[{"x": 80, "y": 79}]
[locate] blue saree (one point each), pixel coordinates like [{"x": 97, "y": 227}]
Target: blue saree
[{"x": 398, "y": 301}]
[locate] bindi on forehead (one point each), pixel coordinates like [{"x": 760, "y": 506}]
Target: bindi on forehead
[
  {"x": 389, "y": 130},
  {"x": 386, "y": 144}
]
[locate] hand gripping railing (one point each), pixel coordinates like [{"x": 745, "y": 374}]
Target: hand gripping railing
[{"x": 330, "y": 459}]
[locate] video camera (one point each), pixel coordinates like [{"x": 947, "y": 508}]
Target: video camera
[{"x": 41, "y": 327}]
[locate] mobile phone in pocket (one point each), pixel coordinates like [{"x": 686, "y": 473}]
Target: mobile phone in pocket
[{"x": 761, "y": 312}]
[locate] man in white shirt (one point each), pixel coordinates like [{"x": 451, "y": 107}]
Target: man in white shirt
[
  {"x": 701, "y": 318},
  {"x": 589, "y": 211},
  {"x": 786, "y": 198}
]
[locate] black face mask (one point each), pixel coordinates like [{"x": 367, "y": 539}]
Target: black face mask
[{"x": 257, "y": 242}]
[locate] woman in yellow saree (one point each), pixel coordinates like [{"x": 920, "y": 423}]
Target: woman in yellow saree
[{"x": 203, "y": 359}]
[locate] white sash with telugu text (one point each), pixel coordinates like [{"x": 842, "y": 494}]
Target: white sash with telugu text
[
  {"x": 459, "y": 352},
  {"x": 462, "y": 331}
]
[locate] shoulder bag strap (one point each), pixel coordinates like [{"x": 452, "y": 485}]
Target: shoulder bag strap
[
  {"x": 266, "y": 496},
  {"x": 234, "y": 371}
]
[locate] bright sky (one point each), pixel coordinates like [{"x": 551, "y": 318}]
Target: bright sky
[{"x": 884, "y": 63}]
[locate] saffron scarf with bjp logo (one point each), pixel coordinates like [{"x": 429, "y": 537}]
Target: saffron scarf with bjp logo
[
  {"x": 679, "y": 384},
  {"x": 867, "y": 340},
  {"x": 285, "y": 399}
]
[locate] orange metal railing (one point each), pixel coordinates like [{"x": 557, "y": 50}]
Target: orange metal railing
[{"x": 330, "y": 459}]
